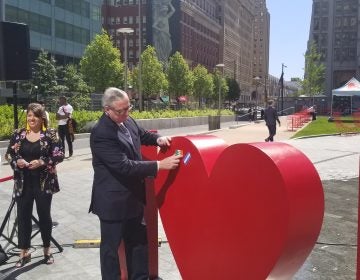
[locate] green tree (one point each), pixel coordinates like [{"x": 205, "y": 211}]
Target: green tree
[
  {"x": 77, "y": 88},
  {"x": 313, "y": 83},
  {"x": 234, "y": 90},
  {"x": 44, "y": 74},
  {"x": 219, "y": 80},
  {"x": 179, "y": 76},
  {"x": 101, "y": 66},
  {"x": 74, "y": 80},
  {"x": 203, "y": 83},
  {"x": 60, "y": 88},
  {"x": 153, "y": 78}
]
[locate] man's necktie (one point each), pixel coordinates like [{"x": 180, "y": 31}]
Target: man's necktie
[{"x": 126, "y": 132}]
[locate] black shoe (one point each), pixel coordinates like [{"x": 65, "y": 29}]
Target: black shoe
[
  {"x": 267, "y": 140},
  {"x": 22, "y": 261},
  {"x": 70, "y": 154}
]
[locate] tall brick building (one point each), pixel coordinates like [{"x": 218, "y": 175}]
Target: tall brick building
[{"x": 207, "y": 32}]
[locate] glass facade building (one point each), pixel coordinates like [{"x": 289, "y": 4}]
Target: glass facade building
[{"x": 61, "y": 27}]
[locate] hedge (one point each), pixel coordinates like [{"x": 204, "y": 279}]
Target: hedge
[{"x": 83, "y": 117}]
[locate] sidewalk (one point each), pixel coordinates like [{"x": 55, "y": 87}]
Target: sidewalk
[
  {"x": 335, "y": 157},
  {"x": 253, "y": 132}
]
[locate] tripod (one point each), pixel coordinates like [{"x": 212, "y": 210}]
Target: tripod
[{"x": 13, "y": 231}]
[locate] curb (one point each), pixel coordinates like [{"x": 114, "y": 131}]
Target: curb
[{"x": 330, "y": 134}]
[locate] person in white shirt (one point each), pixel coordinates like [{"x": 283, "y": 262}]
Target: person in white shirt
[{"x": 63, "y": 115}]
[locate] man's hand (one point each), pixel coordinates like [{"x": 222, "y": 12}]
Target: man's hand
[
  {"x": 170, "y": 162},
  {"x": 163, "y": 141}
]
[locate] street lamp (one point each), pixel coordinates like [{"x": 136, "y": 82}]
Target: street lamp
[
  {"x": 282, "y": 87},
  {"x": 125, "y": 31},
  {"x": 220, "y": 66}
]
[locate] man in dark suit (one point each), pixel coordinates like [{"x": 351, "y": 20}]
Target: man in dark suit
[
  {"x": 118, "y": 194},
  {"x": 271, "y": 117}
]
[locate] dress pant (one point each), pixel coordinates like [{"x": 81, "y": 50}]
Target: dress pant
[
  {"x": 133, "y": 232},
  {"x": 64, "y": 133},
  {"x": 272, "y": 132},
  {"x": 25, "y": 204}
]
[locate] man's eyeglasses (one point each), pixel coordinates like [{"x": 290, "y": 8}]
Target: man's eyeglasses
[{"x": 121, "y": 111}]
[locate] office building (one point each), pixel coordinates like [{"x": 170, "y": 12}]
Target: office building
[
  {"x": 206, "y": 32},
  {"x": 63, "y": 28},
  {"x": 334, "y": 29},
  {"x": 261, "y": 50}
]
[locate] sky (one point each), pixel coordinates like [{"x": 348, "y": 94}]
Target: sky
[{"x": 289, "y": 33}]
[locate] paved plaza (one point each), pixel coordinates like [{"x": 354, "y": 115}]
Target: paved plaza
[{"x": 336, "y": 159}]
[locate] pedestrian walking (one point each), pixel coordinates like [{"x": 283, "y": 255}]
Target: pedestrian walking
[
  {"x": 271, "y": 117},
  {"x": 250, "y": 113}
]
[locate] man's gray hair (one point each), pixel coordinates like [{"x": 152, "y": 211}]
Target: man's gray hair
[{"x": 111, "y": 95}]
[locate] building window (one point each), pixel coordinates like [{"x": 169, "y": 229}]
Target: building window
[
  {"x": 96, "y": 13},
  {"x": 79, "y": 7},
  {"x": 36, "y": 22},
  {"x": 72, "y": 33}
]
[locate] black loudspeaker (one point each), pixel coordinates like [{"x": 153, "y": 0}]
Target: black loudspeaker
[{"x": 14, "y": 51}]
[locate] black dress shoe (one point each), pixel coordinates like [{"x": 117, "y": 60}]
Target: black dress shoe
[
  {"x": 22, "y": 261},
  {"x": 70, "y": 154}
]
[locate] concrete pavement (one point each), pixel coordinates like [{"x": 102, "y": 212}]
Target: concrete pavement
[{"x": 336, "y": 158}]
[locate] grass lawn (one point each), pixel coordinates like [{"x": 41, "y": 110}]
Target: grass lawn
[{"x": 322, "y": 126}]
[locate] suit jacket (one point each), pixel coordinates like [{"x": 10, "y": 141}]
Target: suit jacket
[
  {"x": 51, "y": 152},
  {"x": 118, "y": 191},
  {"x": 271, "y": 116}
]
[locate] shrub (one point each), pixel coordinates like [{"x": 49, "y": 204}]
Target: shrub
[{"x": 83, "y": 117}]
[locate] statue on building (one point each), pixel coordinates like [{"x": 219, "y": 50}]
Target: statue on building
[{"x": 162, "y": 12}]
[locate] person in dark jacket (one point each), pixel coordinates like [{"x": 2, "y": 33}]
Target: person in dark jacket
[
  {"x": 271, "y": 117},
  {"x": 118, "y": 193}
]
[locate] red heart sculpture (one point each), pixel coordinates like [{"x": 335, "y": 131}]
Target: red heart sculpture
[{"x": 246, "y": 211}]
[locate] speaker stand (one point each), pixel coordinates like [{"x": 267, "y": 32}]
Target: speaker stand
[{"x": 13, "y": 231}]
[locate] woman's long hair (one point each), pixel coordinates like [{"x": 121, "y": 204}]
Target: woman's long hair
[{"x": 39, "y": 112}]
